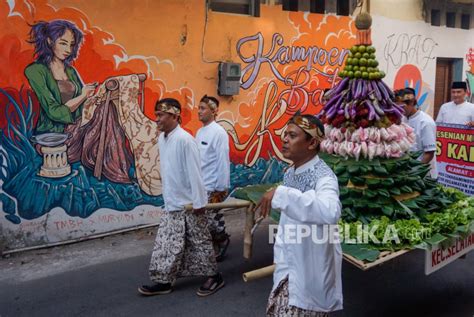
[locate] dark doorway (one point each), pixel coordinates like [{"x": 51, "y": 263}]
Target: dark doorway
[{"x": 444, "y": 77}]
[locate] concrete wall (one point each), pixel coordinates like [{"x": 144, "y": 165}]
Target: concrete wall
[{"x": 401, "y": 10}]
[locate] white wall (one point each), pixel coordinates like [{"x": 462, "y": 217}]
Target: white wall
[{"x": 418, "y": 43}]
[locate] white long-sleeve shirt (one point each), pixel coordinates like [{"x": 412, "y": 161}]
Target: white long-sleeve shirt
[
  {"x": 425, "y": 131},
  {"x": 456, "y": 114},
  {"x": 309, "y": 196},
  {"x": 181, "y": 171},
  {"x": 213, "y": 144}
]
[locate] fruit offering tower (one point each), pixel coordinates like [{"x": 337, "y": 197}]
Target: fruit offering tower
[{"x": 368, "y": 145}]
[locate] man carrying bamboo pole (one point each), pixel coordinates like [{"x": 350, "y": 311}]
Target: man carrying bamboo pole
[
  {"x": 307, "y": 277},
  {"x": 183, "y": 245},
  {"x": 213, "y": 143}
]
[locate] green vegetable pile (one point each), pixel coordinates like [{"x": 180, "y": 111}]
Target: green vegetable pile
[
  {"x": 455, "y": 221},
  {"x": 396, "y": 188}
]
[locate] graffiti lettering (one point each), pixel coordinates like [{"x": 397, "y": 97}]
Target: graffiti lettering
[
  {"x": 75, "y": 224},
  {"x": 154, "y": 214},
  {"x": 292, "y": 99},
  {"x": 297, "y": 97},
  {"x": 311, "y": 55},
  {"x": 271, "y": 113},
  {"x": 68, "y": 224},
  {"x": 404, "y": 49},
  {"x": 116, "y": 218}
]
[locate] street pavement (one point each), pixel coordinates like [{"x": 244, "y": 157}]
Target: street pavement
[{"x": 100, "y": 278}]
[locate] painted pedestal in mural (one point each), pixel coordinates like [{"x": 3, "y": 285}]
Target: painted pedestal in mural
[
  {"x": 55, "y": 162},
  {"x": 54, "y": 151}
]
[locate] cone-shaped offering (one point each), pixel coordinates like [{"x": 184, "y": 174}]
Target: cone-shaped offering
[{"x": 368, "y": 143}]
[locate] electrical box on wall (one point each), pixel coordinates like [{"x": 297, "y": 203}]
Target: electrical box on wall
[{"x": 229, "y": 79}]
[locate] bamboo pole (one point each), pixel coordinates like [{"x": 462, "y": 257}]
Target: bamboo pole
[
  {"x": 248, "y": 238},
  {"x": 260, "y": 273},
  {"x": 234, "y": 204}
]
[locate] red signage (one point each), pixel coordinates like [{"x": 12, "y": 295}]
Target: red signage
[{"x": 455, "y": 156}]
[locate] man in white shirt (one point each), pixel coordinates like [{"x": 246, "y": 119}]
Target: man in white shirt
[
  {"x": 425, "y": 129},
  {"x": 213, "y": 143},
  {"x": 458, "y": 111},
  {"x": 307, "y": 278},
  {"x": 183, "y": 244}
]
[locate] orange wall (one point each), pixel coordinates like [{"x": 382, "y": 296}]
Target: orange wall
[{"x": 173, "y": 44}]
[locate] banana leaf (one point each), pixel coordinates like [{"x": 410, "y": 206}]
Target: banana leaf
[
  {"x": 388, "y": 182},
  {"x": 395, "y": 191},
  {"x": 380, "y": 170},
  {"x": 435, "y": 239},
  {"x": 388, "y": 210},
  {"x": 406, "y": 209},
  {"x": 254, "y": 193},
  {"x": 358, "y": 181},
  {"x": 370, "y": 193},
  {"x": 362, "y": 252},
  {"x": 353, "y": 169}
]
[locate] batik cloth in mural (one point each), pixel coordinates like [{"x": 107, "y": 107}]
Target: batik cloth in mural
[
  {"x": 278, "y": 304},
  {"x": 182, "y": 248},
  {"x": 125, "y": 121},
  {"x": 83, "y": 145}
]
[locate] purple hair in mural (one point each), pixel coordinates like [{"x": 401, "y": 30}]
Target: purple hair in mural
[{"x": 52, "y": 30}]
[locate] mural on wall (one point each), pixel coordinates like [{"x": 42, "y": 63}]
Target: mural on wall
[
  {"x": 71, "y": 173},
  {"x": 297, "y": 72},
  {"x": 410, "y": 76},
  {"x": 37, "y": 175},
  {"x": 408, "y": 55},
  {"x": 95, "y": 168}
]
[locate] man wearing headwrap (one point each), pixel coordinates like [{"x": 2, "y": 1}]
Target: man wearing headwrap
[
  {"x": 307, "y": 278},
  {"x": 213, "y": 143},
  {"x": 424, "y": 127},
  {"x": 458, "y": 111},
  {"x": 183, "y": 244}
]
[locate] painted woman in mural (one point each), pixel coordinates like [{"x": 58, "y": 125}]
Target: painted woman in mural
[
  {"x": 62, "y": 96},
  {"x": 55, "y": 82}
]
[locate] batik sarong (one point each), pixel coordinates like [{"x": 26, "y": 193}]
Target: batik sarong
[
  {"x": 216, "y": 223},
  {"x": 278, "y": 304},
  {"x": 183, "y": 247}
]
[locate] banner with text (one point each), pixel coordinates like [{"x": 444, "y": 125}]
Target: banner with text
[
  {"x": 455, "y": 156},
  {"x": 438, "y": 256}
]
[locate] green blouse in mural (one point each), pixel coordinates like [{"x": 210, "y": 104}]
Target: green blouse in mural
[{"x": 54, "y": 115}]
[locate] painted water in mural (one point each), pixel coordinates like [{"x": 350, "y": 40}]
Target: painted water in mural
[{"x": 108, "y": 177}]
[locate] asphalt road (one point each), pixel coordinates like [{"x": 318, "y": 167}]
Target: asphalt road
[{"x": 397, "y": 288}]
